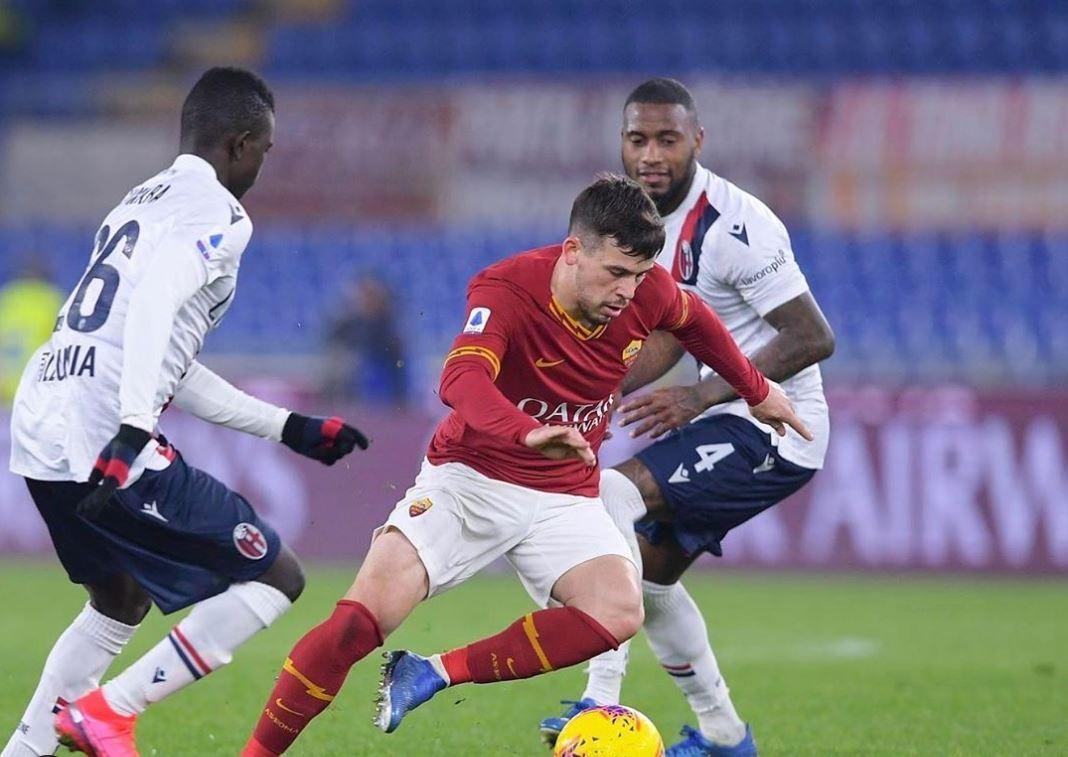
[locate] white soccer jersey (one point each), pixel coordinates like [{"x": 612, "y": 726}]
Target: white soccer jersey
[
  {"x": 162, "y": 272},
  {"x": 731, "y": 249}
]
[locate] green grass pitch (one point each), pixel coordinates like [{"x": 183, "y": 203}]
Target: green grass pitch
[{"x": 821, "y": 665}]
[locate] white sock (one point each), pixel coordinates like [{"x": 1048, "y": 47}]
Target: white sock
[
  {"x": 78, "y": 659},
  {"x": 679, "y": 639},
  {"x": 622, "y": 500},
  {"x": 204, "y": 641},
  {"x": 605, "y": 675},
  {"x": 625, "y": 505}
]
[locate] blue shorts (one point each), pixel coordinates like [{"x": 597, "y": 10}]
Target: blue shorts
[
  {"x": 178, "y": 532},
  {"x": 716, "y": 474}
]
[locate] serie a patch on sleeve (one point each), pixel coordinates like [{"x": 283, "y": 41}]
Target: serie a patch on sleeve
[{"x": 477, "y": 320}]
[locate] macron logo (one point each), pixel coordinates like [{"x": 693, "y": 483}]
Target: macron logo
[
  {"x": 738, "y": 232},
  {"x": 152, "y": 509},
  {"x": 764, "y": 467},
  {"x": 680, "y": 476}
]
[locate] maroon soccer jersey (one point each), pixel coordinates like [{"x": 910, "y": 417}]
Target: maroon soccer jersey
[{"x": 522, "y": 362}]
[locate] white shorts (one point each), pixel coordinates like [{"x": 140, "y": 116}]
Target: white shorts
[{"x": 460, "y": 521}]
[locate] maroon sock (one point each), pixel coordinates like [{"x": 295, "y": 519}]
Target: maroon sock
[
  {"x": 537, "y": 643},
  {"x": 312, "y": 675}
]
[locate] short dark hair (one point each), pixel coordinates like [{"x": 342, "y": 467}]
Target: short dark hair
[
  {"x": 615, "y": 206},
  {"x": 225, "y": 101},
  {"x": 663, "y": 91}
]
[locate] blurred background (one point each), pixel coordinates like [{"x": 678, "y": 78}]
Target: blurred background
[{"x": 916, "y": 149}]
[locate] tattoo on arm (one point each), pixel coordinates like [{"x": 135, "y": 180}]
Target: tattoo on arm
[{"x": 804, "y": 338}]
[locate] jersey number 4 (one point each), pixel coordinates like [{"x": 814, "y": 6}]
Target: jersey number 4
[
  {"x": 107, "y": 275},
  {"x": 711, "y": 454}
]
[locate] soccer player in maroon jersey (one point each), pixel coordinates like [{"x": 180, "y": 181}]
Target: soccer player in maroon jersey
[{"x": 512, "y": 470}]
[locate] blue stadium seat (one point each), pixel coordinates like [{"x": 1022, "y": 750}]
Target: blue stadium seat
[
  {"x": 921, "y": 306},
  {"x": 433, "y": 37}
]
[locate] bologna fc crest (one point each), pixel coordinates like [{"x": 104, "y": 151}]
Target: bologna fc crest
[
  {"x": 686, "y": 262},
  {"x": 419, "y": 507},
  {"x": 250, "y": 541},
  {"x": 691, "y": 239}
]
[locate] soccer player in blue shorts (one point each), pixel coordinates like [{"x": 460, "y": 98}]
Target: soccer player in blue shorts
[
  {"x": 130, "y": 520},
  {"x": 712, "y": 468}
]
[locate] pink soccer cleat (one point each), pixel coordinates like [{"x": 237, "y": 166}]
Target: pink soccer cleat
[{"x": 89, "y": 725}]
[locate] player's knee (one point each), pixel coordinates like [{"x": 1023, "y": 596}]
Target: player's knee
[
  {"x": 295, "y": 584},
  {"x": 620, "y": 612},
  {"x": 625, "y": 619},
  {"x": 293, "y": 581},
  {"x": 120, "y": 598},
  {"x": 286, "y": 575}
]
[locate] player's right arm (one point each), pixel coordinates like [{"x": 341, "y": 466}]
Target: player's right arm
[
  {"x": 470, "y": 372},
  {"x": 174, "y": 274}
]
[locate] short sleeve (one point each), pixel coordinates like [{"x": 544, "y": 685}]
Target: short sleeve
[{"x": 758, "y": 261}]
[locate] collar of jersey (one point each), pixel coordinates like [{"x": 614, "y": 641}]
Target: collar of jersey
[
  {"x": 189, "y": 162},
  {"x": 569, "y": 323}
]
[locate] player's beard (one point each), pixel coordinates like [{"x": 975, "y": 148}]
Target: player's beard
[
  {"x": 592, "y": 315},
  {"x": 593, "y": 312},
  {"x": 676, "y": 192}
]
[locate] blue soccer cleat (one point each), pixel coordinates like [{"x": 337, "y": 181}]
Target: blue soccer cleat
[
  {"x": 408, "y": 680},
  {"x": 550, "y": 727},
  {"x": 696, "y": 745}
]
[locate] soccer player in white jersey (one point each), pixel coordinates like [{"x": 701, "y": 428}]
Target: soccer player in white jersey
[
  {"x": 130, "y": 520},
  {"x": 713, "y": 467}
]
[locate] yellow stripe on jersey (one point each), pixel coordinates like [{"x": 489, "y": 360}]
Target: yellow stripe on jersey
[
  {"x": 685, "y": 312},
  {"x": 482, "y": 352},
  {"x": 571, "y": 324}
]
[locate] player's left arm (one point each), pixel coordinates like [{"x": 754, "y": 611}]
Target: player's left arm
[
  {"x": 705, "y": 337},
  {"x": 210, "y": 397},
  {"x": 804, "y": 338},
  {"x": 766, "y": 275}
]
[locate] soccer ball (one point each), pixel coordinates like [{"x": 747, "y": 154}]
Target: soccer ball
[{"x": 610, "y": 731}]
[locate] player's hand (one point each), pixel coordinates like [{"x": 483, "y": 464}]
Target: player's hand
[
  {"x": 777, "y": 412},
  {"x": 324, "y": 439},
  {"x": 662, "y": 411},
  {"x": 560, "y": 443},
  {"x": 617, "y": 397},
  {"x": 112, "y": 468}
]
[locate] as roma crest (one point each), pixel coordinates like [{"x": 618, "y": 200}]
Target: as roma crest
[
  {"x": 419, "y": 507},
  {"x": 631, "y": 351}
]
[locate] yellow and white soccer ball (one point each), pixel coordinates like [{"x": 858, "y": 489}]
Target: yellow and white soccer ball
[{"x": 610, "y": 731}]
